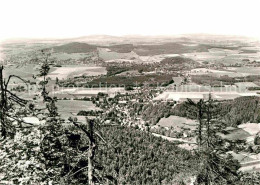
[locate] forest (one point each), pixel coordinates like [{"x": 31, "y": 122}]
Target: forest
[
  {"x": 241, "y": 110},
  {"x": 140, "y": 158}
]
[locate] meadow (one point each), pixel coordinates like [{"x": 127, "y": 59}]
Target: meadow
[
  {"x": 107, "y": 54},
  {"x": 246, "y": 71},
  {"x": 69, "y": 108},
  {"x": 23, "y": 71},
  {"x": 67, "y": 56},
  {"x": 178, "y": 123},
  {"x": 86, "y": 92},
  {"x": 70, "y": 71},
  {"x": 224, "y": 56}
]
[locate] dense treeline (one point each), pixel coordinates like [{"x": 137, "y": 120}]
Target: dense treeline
[
  {"x": 116, "y": 68},
  {"x": 179, "y": 63},
  {"x": 241, "y": 110},
  {"x": 136, "y": 157},
  {"x": 121, "y": 81},
  {"x": 151, "y": 112},
  {"x": 213, "y": 80},
  {"x": 224, "y": 80},
  {"x": 89, "y": 113}
]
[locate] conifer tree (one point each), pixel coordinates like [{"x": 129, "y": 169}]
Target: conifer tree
[{"x": 215, "y": 166}]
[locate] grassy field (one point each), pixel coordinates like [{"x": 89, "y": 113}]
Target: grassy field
[
  {"x": 66, "y": 56},
  {"x": 76, "y": 70},
  {"x": 24, "y": 71},
  {"x": 86, "y": 92},
  {"x": 67, "y": 108},
  {"x": 215, "y": 73},
  {"x": 229, "y": 71},
  {"x": 225, "y": 56},
  {"x": 107, "y": 54},
  {"x": 246, "y": 70},
  {"x": 178, "y": 123}
]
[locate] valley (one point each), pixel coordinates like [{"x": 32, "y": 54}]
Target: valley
[{"x": 160, "y": 97}]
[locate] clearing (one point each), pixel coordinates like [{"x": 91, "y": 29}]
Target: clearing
[
  {"x": 71, "y": 71},
  {"x": 178, "y": 123}
]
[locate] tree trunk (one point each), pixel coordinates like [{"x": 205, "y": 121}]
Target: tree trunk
[
  {"x": 200, "y": 114},
  {"x": 3, "y": 103},
  {"x": 208, "y": 125},
  {"x": 91, "y": 153}
]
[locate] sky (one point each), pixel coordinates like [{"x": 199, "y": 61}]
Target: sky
[{"x": 75, "y": 18}]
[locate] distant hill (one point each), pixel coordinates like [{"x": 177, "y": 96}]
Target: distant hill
[
  {"x": 175, "y": 48},
  {"x": 140, "y": 49},
  {"x": 168, "y": 48},
  {"x": 138, "y": 39},
  {"x": 122, "y": 48},
  {"x": 81, "y": 47},
  {"x": 75, "y": 47},
  {"x": 179, "y": 63}
]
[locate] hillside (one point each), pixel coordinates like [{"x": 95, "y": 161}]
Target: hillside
[
  {"x": 168, "y": 48},
  {"x": 177, "y": 60},
  {"x": 175, "y": 48},
  {"x": 121, "y": 48},
  {"x": 137, "y": 157},
  {"x": 75, "y": 47},
  {"x": 241, "y": 110},
  {"x": 81, "y": 47},
  {"x": 140, "y": 49}
]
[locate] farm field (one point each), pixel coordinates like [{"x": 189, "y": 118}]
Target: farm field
[
  {"x": 216, "y": 73},
  {"x": 66, "y": 56},
  {"x": 180, "y": 96},
  {"x": 186, "y": 144},
  {"x": 201, "y": 88},
  {"x": 107, "y": 54},
  {"x": 156, "y": 58},
  {"x": 97, "y": 90},
  {"x": 24, "y": 71},
  {"x": 131, "y": 72},
  {"x": 229, "y": 71},
  {"x": 68, "y": 108},
  {"x": 246, "y": 70},
  {"x": 178, "y": 123},
  {"x": 75, "y": 70},
  {"x": 82, "y": 92},
  {"x": 224, "y": 56}
]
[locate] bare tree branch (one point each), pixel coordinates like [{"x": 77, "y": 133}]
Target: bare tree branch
[{"x": 15, "y": 76}]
